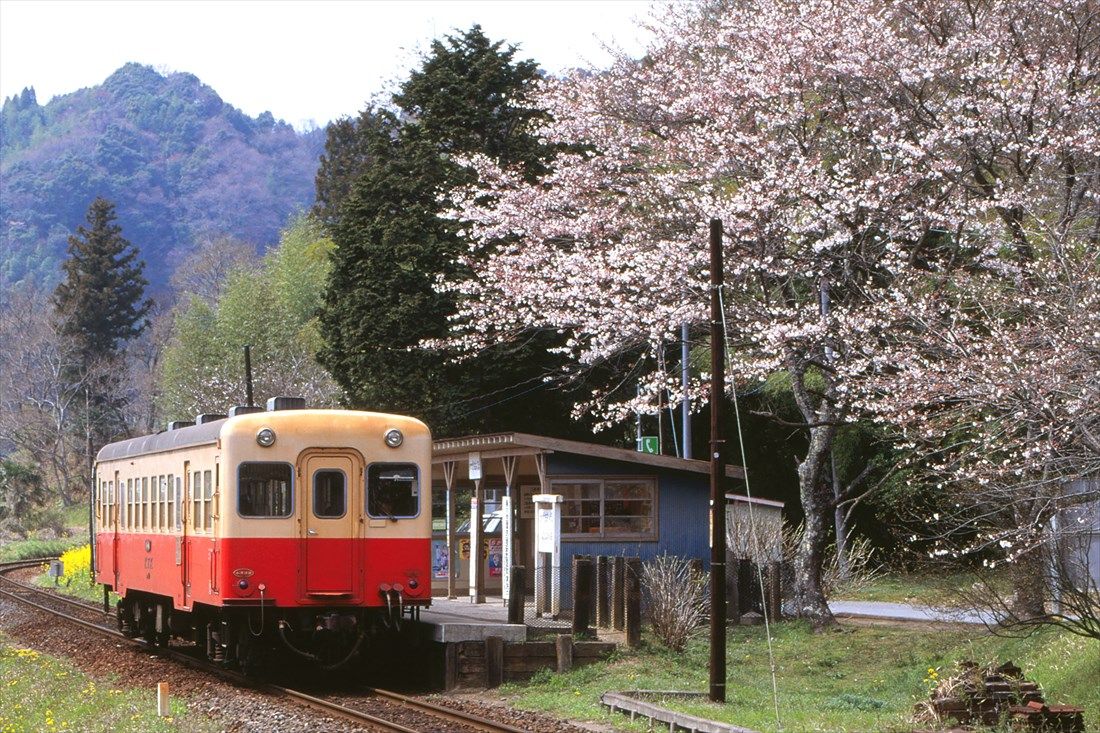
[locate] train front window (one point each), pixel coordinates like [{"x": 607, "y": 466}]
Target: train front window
[
  {"x": 264, "y": 490},
  {"x": 329, "y": 494},
  {"x": 393, "y": 490}
]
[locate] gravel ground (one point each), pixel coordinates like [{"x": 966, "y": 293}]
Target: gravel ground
[
  {"x": 125, "y": 666},
  {"x": 239, "y": 709},
  {"x": 490, "y": 704}
]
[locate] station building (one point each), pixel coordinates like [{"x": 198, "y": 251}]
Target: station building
[{"x": 614, "y": 502}]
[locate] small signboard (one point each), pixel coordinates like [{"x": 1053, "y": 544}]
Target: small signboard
[
  {"x": 475, "y": 466},
  {"x": 526, "y": 505},
  {"x": 649, "y": 444}
]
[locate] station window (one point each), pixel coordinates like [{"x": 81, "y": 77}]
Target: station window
[
  {"x": 208, "y": 500},
  {"x": 608, "y": 508},
  {"x": 329, "y": 494},
  {"x": 264, "y": 490},
  {"x": 393, "y": 490}
]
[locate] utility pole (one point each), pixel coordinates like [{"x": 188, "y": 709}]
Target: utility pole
[
  {"x": 248, "y": 375},
  {"x": 91, "y": 479},
  {"x": 839, "y": 520},
  {"x": 717, "y": 474},
  {"x": 685, "y": 379}
]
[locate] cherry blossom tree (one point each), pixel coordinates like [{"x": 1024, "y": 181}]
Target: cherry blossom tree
[{"x": 859, "y": 153}]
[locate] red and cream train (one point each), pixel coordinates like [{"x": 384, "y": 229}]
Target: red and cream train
[{"x": 309, "y": 529}]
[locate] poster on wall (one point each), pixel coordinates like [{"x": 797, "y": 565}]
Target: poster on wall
[
  {"x": 496, "y": 556},
  {"x": 526, "y": 506},
  {"x": 439, "y": 559}
]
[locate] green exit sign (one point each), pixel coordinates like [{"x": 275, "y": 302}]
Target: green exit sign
[{"x": 649, "y": 444}]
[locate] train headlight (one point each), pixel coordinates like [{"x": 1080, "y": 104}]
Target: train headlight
[
  {"x": 266, "y": 437},
  {"x": 394, "y": 438}
]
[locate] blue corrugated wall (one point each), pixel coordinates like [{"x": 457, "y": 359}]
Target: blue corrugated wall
[{"x": 682, "y": 521}]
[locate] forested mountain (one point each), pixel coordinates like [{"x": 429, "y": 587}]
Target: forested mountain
[{"x": 180, "y": 163}]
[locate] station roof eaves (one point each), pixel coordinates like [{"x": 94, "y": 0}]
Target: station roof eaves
[{"x": 501, "y": 443}]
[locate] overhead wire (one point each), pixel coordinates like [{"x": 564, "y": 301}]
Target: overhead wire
[{"x": 752, "y": 519}]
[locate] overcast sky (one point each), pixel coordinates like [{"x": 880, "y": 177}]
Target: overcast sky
[{"x": 302, "y": 61}]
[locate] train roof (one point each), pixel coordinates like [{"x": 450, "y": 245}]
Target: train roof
[
  {"x": 207, "y": 433},
  {"x": 188, "y": 437}
]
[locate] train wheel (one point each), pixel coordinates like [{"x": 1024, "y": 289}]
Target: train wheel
[
  {"x": 124, "y": 616},
  {"x": 253, "y": 655}
]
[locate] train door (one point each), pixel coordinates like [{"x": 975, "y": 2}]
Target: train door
[
  {"x": 183, "y": 539},
  {"x": 330, "y": 498}
]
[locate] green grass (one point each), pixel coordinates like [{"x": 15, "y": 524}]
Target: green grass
[
  {"x": 41, "y": 693},
  {"x": 860, "y": 679},
  {"x": 78, "y": 585},
  {"x": 916, "y": 589},
  {"x": 32, "y": 548}
]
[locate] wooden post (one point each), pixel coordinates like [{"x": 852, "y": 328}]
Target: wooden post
[
  {"x": 518, "y": 573},
  {"x": 476, "y": 576},
  {"x": 733, "y": 599},
  {"x": 748, "y": 590},
  {"x": 774, "y": 585},
  {"x": 582, "y": 594},
  {"x": 450, "y": 666},
  {"x": 563, "y": 645},
  {"x": 452, "y": 544},
  {"x": 633, "y": 603},
  {"x": 603, "y": 606},
  {"x": 617, "y": 570},
  {"x": 494, "y": 661},
  {"x": 163, "y": 710}
]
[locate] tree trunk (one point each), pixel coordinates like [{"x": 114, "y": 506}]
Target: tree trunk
[
  {"x": 817, "y": 504},
  {"x": 1028, "y": 570}
]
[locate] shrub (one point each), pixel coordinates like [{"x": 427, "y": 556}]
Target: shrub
[
  {"x": 862, "y": 568},
  {"x": 676, "y": 598}
]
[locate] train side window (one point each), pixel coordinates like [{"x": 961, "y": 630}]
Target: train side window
[
  {"x": 170, "y": 518},
  {"x": 179, "y": 503},
  {"x": 165, "y": 507},
  {"x": 196, "y": 500},
  {"x": 329, "y": 494},
  {"x": 208, "y": 501},
  {"x": 154, "y": 503},
  {"x": 393, "y": 490},
  {"x": 129, "y": 503},
  {"x": 264, "y": 490},
  {"x": 145, "y": 501}
]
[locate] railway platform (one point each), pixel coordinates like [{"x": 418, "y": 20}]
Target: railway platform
[{"x": 455, "y": 620}]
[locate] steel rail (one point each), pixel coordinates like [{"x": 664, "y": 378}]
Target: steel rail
[
  {"x": 302, "y": 698},
  {"x": 93, "y": 606},
  {"x": 456, "y": 716}
]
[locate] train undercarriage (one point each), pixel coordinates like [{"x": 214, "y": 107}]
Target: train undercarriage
[{"x": 255, "y": 637}]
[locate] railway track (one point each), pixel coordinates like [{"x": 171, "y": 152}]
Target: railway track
[{"x": 384, "y": 704}]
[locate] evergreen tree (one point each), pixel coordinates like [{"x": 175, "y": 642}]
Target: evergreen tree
[
  {"x": 101, "y": 302},
  {"x": 383, "y": 183}
]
